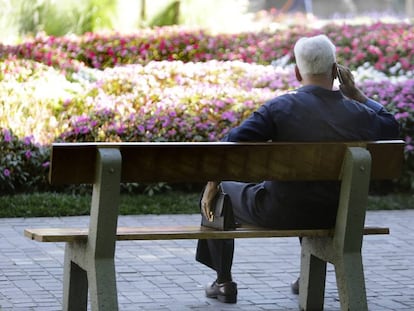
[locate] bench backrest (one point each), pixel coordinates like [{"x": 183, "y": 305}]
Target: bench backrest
[{"x": 74, "y": 163}]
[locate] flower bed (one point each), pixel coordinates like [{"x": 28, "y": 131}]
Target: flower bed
[
  {"x": 51, "y": 92},
  {"x": 386, "y": 46}
]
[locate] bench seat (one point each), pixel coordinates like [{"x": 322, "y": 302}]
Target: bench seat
[{"x": 182, "y": 232}]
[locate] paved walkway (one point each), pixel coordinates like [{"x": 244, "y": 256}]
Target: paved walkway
[{"x": 163, "y": 275}]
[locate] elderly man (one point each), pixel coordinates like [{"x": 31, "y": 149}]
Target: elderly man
[{"x": 313, "y": 112}]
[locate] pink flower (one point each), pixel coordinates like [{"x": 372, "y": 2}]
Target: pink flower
[
  {"x": 28, "y": 140},
  {"x": 7, "y": 136},
  {"x": 229, "y": 116},
  {"x": 402, "y": 115}
]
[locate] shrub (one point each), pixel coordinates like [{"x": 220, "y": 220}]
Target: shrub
[
  {"x": 386, "y": 46},
  {"x": 400, "y": 101},
  {"x": 32, "y": 96},
  {"x": 23, "y": 164},
  {"x": 172, "y": 101}
]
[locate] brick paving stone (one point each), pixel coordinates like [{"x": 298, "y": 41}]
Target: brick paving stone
[{"x": 163, "y": 275}]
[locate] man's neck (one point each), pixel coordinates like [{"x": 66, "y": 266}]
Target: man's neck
[{"x": 323, "y": 81}]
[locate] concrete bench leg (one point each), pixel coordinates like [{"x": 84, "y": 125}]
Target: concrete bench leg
[
  {"x": 75, "y": 284},
  {"x": 89, "y": 264},
  {"x": 316, "y": 252},
  {"x": 348, "y": 237},
  {"x": 344, "y": 249},
  {"x": 312, "y": 280},
  {"x": 83, "y": 275},
  {"x": 102, "y": 285},
  {"x": 351, "y": 283}
]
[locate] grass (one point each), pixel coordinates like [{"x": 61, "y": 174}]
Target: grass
[
  {"x": 172, "y": 202},
  {"x": 58, "y": 204},
  {"x": 397, "y": 201}
]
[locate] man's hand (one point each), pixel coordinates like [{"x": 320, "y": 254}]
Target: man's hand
[
  {"x": 208, "y": 196},
  {"x": 348, "y": 87}
]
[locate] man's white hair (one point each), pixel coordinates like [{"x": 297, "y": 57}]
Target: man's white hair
[{"x": 314, "y": 55}]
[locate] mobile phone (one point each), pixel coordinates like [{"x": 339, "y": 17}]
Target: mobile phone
[{"x": 341, "y": 81}]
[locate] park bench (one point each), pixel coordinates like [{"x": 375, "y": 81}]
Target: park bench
[{"x": 89, "y": 254}]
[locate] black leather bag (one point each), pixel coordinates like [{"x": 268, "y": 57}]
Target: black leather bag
[{"x": 222, "y": 217}]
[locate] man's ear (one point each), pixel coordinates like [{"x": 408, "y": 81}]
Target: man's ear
[{"x": 297, "y": 73}]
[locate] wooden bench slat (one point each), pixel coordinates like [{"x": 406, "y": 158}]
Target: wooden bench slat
[
  {"x": 74, "y": 163},
  {"x": 182, "y": 232}
]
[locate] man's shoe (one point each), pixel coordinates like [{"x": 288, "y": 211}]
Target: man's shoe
[
  {"x": 295, "y": 287},
  {"x": 225, "y": 292}
]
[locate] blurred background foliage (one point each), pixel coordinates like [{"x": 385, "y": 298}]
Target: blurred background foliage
[{"x": 22, "y": 18}]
